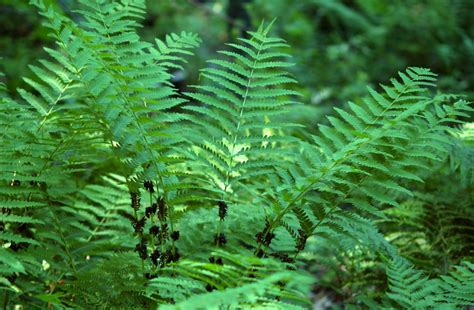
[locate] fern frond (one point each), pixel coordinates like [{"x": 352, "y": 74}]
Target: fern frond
[
  {"x": 241, "y": 281},
  {"x": 458, "y": 288},
  {"x": 409, "y": 287},
  {"x": 364, "y": 157}
]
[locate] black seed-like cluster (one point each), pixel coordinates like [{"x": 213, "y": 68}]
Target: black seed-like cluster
[
  {"x": 260, "y": 253},
  {"x": 222, "y": 210},
  {"x": 135, "y": 199},
  {"x": 155, "y": 256},
  {"x": 17, "y": 246},
  {"x": 141, "y": 248},
  {"x": 162, "y": 209},
  {"x": 210, "y": 288},
  {"x": 154, "y": 230},
  {"x": 15, "y": 183},
  {"x": 158, "y": 232},
  {"x": 170, "y": 257},
  {"x": 175, "y": 235},
  {"x": 163, "y": 258},
  {"x": 220, "y": 239},
  {"x": 283, "y": 257},
  {"x": 138, "y": 225},
  {"x": 301, "y": 242},
  {"x": 148, "y": 185},
  {"x": 176, "y": 255},
  {"x": 263, "y": 238},
  {"x": 216, "y": 260},
  {"x": 149, "y": 211}
]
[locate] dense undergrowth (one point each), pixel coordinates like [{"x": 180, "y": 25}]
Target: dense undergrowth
[{"x": 119, "y": 191}]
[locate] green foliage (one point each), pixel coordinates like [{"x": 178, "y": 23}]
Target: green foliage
[
  {"x": 409, "y": 288},
  {"x": 119, "y": 191}
]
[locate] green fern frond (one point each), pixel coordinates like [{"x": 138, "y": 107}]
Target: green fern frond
[
  {"x": 408, "y": 287},
  {"x": 102, "y": 157},
  {"x": 241, "y": 281},
  {"x": 458, "y": 288},
  {"x": 234, "y": 131},
  {"x": 364, "y": 157}
]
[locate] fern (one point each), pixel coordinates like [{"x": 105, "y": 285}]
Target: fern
[
  {"x": 356, "y": 161},
  {"x": 434, "y": 225},
  {"x": 223, "y": 202}
]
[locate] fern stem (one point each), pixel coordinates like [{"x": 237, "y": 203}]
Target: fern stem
[
  {"x": 6, "y": 299},
  {"x": 63, "y": 239},
  {"x": 61, "y": 93}
]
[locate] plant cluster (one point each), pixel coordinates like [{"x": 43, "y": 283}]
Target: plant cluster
[{"x": 119, "y": 191}]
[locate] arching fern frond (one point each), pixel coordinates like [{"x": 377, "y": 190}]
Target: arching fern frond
[
  {"x": 234, "y": 131},
  {"x": 126, "y": 89},
  {"x": 363, "y": 159}
]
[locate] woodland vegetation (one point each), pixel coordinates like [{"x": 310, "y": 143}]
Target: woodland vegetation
[{"x": 236, "y": 154}]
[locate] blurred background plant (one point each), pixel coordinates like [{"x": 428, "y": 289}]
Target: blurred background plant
[{"x": 341, "y": 45}]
